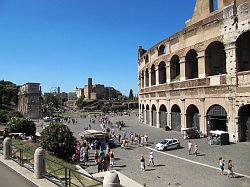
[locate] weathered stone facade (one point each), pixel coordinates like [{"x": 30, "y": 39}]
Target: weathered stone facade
[
  {"x": 29, "y": 100},
  {"x": 200, "y": 76}
]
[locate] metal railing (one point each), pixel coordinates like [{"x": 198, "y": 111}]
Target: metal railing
[
  {"x": 23, "y": 158},
  {"x": 65, "y": 176},
  {"x": 57, "y": 173}
]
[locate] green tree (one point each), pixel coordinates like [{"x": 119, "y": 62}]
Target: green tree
[
  {"x": 22, "y": 125},
  {"x": 8, "y": 93},
  {"x": 52, "y": 101},
  {"x": 58, "y": 138},
  {"x": 80, "y": 102}
]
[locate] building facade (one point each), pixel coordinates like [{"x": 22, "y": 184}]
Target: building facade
[
  {"x": 29, "y": 100},
  {"x": 99, "y": 91},
  {"x": 200, "y": 76}
]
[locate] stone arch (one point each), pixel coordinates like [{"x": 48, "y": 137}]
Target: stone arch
[
  {"x": 162, "y": 50},
  {"x": 193, "y": 117},
  {"x": 153, "y": 115},
  {"x": 244, "y": 123},
  {"x": 153, "y": 75},
  {"x": 146, "y": 78},
  {"x": 191, "y": 64},
  {"x": 216, "y": 118},
  {"x": 147, "y": 114},
  {"x": 243, "y": 52},
  {"x": 176, "y": 118},
  {"x": 162, "y": 72},
  {"x": 175, "y": 68},
  {"x": 163, "y": 116},
  {"x": 215, "y": 59}
]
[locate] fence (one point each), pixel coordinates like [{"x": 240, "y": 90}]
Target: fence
[{"x": 57, "y": 173}]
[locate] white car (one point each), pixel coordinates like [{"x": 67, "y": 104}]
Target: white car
[{"x": 167, "y": 144}]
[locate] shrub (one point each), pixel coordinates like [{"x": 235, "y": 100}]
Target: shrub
[
  {"x": 58, "y": 139},
  {"x": 3, "y": 116},
  {"x": 22, "y": 125}
]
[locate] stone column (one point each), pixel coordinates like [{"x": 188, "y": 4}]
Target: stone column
[
  {"x": 156, "y": 75},
  {"x": 144, "y": 75},
  {"x": 139, "y": 117},
  {"x": 231, "y": 64},
  {"x": 7, "y": 149},
  {"x": 201, "y": 64},
  {"x": 39, "y": 163},
  {"x": 183, "y": 114},
  {"x": 182, "y": 69},
  {"x": 111, "y": 179},
  {"x": 157, "y": 114},
  {"x": 168, "y": 78},
  {"x": 149, "y": 77}
]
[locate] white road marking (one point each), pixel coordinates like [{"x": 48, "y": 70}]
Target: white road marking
[{"x": 194, "y": 162}]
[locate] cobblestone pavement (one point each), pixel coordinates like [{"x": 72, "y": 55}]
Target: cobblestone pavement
[{"x": 171, "y": 171}]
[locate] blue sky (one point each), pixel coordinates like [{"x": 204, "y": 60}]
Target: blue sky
[{"x": 63, "y": 42}]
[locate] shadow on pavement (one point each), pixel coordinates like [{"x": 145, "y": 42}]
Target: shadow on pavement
[{"x": 149, "y": 169}]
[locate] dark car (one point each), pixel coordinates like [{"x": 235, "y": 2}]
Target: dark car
[{"x": 190, "y": 133}]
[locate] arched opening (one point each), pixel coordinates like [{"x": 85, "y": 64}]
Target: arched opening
[
  {"x": 244, "y": 123},
  {"x": 142, "y": 79},
  {"x": 243, "y": 52},
  {"x": 146, "y": 59},
  {"x": 147, "y": 114},
  {"x": 143, "y": 114},
  {"x": 153, "y": 75},
  {"x": 163, "y": 116},
  {"x": 162, "y": 72},
  {"x": 162, "y": 50},
  {"x": 147, "y": 78},
  {"x": 191, "y": 64},
  {"x": 215, "y": 59},
  {"x": 193, "y": 117},
  {"x": 153, "y": 115},
  {"x": 176, "y": 118},
  {"x": 175, "y": 68},
  {"x": 216, "y": 118}
]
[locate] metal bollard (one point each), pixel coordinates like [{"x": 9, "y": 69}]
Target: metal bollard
[
  {"x": 7, "y": 149},
  {"x": 39, "y": 163},
  {"x": 111, "y": 179}
]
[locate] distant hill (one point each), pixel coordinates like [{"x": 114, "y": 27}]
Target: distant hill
[{"x": 8, "y": 94}]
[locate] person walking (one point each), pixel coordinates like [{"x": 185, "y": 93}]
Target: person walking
[
  {"x": 142, "y": 163},
  {"x": 189, "y": 147},
  {"x": 230, "y": 169},
  {"x": 151, "y": 158},
  {"x": 222, "y": 163},
  {"x": 96, "y": 156},
  {"x": 196, "y": 149},
  {"x": 112, "y": 158}
]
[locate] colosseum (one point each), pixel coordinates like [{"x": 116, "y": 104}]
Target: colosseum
[{"x": 200, "y": 76}]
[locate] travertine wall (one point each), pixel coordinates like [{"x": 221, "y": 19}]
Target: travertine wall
[{"x": 230, "y": 90}]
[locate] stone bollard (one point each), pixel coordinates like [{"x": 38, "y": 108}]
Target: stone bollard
[
  {"x": 7, "y": 149},
  {"x": 39, "y": 163},
  {"x": 111, "y": 179}
]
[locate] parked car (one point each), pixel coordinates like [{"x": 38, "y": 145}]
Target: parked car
[
  {"x": 190, "y": 133},
  {"x": 167, "y": 144}
]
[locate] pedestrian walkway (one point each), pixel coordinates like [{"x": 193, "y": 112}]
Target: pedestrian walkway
[{"x": 194, "y": 162}]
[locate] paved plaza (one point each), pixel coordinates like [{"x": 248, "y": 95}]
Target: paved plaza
[{"x": 174, "y": 167}]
